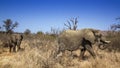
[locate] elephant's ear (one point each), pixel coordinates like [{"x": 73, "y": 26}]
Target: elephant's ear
[
  {"x": 97, "y": 33},
  {"x": 89, "y": 35}
]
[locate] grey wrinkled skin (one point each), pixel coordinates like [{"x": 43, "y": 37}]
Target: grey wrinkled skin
[
  {"x": 80, "y": 39},
  {"x": 12, "y": 41}
]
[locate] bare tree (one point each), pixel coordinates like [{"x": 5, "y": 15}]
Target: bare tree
[
  {"x": 72, "y": 24},
  {"x": 54, "y": 31},
  {"x": 9, "y": 25},
  {"x": 116, "y": 26},
  {"x": 0, "y": 27}
]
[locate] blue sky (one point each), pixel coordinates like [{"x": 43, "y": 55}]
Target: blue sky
[{"x": 41, "y": 15}]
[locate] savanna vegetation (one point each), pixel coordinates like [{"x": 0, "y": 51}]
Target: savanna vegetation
[{"x": 38, "y": 50}]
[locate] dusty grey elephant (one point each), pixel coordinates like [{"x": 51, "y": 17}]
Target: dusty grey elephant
[
  {"x": 16, "y": 41},
  {"x": 81, "y": 39},
  {"x": 12, "y": 41}
]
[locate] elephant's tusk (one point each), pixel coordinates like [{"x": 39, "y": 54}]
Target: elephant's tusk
[{"x": 107, "y": 41}]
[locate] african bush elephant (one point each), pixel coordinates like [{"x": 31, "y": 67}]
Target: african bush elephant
[
  {"x": 16, "y": 41},
  {"x": 81, "y": 39},
  {"x": 12, "y": 41}
]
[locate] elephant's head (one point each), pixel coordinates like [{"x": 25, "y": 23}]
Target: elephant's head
[{"x": 100, "y": 39}]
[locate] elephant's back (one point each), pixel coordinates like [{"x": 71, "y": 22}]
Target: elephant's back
[
  {"x": 70, "y": 35},
  {"x": 17, "y": 36},
  {"x": 70, "y": 39}
]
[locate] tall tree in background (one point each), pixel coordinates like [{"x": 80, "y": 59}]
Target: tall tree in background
[
  {"x": 72, "y": 24},
  {"x": 116, "y": 26},
  {"x": 9, "y": 25}
]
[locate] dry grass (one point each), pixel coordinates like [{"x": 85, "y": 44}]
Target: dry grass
[
  {"x": 38, "y": 53},
  {"x": 115, "y": 38}
]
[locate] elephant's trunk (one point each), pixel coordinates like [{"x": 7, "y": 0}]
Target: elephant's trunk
[{"x": 104, "y": 45}]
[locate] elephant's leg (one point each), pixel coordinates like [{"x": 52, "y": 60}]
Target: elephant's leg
[
  {"x": 63, "y": 53},
  {"x": 10, "y": 48},
  {"x": 90, "y": 50},
  {"x": 56, "y": 53},
  {"x": 18, "y": 45},
  {"x": 14, "y": 48},
  {"x": 60, "y": 50},
  {"x": 72, "y": 55},
  {"x": 82, "y": 53}
]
